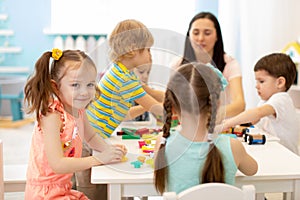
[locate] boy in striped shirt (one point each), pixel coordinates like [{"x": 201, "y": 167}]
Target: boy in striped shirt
[{"x": 130, "y": 44}]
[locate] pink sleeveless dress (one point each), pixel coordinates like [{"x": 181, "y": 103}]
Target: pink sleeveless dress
[{"x": 42, "y": 182}]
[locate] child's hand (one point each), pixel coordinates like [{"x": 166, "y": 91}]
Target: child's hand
[
  {"x": 225, "y": 125},
  {"x": 112, "y": 154},
  {"x": 123, "y": 147}
]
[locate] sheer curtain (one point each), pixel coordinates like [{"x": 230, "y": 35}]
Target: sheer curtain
[{"x": 252, "y": 29}]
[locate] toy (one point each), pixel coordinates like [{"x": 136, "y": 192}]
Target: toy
[
  {"x": 160, "y": 122},
  {"x": 253, "y": 136},
  {"x": 126, "y": 137},
  {"x": 137, "y": 164},
  {"x": 238, "y": 130},
  {"x": 150, "y": 162},
  {"x": 130, "y": 133},
  {"x": 141, "y": 143},
  {"x": 256, "y": 139},
  {"x": 147, "y": 149},
  {"x": 124, "y": 159},
  {"x": 141, "y": 159},
  {"x": 142, "y": 131},
  {"x": 251, "y": 131}
]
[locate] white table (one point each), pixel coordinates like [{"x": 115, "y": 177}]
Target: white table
[{"x": 279, "y": 171}]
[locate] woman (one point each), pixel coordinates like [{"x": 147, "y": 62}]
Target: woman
[{"x": 204, "y": 44}]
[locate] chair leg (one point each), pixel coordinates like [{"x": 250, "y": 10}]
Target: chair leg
[{"x": 16, "y": 109}]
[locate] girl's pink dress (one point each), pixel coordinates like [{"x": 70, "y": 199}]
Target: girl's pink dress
[{"x": 42, "y": 182}]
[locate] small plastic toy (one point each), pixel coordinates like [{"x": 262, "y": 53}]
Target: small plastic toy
[
  {"x": 160, "y": 122},
  {"x": 238, "y": 130},
  {"x": 141, "y": 159},
  {"x": 142, "y": 131},
  {"x": 129, "y": 133},
  {"x": 147, "y": 149},
  {"x": 124, "y": 159},
  {"x": 137, "y": 164},
  {"x": 150, "y": 162},
  {"x": 256, "y": 139},
  {"x": 128, "y": 137}
]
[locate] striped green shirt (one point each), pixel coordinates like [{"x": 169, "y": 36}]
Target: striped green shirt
[{"x": 119, "y": 88}]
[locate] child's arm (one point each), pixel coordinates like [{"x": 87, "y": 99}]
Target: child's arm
[
  {"x": 237, "y": 104},
  {"x": 92, "y": 138},
  {"x": 245, "y": 163},
  {"x": 60, "y": 164},
  {"x": 95, "y": 141},
  {"x": 158, "y": 95},
  {"x": 150, "y": 104},
  {"x": 135, "y": 111},
  {"x": 251, "y": 115}
]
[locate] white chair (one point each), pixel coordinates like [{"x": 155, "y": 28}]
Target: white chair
[
  {"x": 1, "y": 172},
  {"x": 213, "y": 191}
]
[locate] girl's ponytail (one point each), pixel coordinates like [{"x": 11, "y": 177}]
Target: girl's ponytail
[
  {"x": 38, "y": 89},
  {"x": 160, "y": 162}
]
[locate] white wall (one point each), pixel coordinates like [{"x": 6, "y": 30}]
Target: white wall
[
  {"x": 252, "y": 29},
  {"x": 101, "y": 16}
]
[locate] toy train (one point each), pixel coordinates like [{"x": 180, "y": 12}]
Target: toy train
[{"x": 250, "y": 133}]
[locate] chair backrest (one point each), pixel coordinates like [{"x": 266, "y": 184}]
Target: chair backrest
[
  {"x": 213, "y": 191},
  {"x": 1, "y": 172}
]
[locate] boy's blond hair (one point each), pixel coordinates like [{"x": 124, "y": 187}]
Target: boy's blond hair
[{"x": 128, "y": 36}]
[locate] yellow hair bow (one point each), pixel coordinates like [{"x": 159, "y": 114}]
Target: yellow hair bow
[{"x": 56, "y": 54}]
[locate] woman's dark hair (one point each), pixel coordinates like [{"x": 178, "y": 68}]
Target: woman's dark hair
[
  {"x": 218, "y": 55},
  {"x": 198, "y": 93}
]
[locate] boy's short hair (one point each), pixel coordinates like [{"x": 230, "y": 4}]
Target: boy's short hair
[
  {"x": 127, "y": 36},
  {"x": 278, "y": 64}
]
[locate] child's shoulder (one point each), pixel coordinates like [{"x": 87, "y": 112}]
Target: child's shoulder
[{"x": 280, "y": 95}]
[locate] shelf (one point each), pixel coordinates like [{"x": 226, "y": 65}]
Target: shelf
[
  {"x": 6, "y": 32},
  {"x": 3, "y": 17},
  {"x": 48, "y": 31},
  {"x": 13, "y": 70},
  {"x": 10, "y": 49}
]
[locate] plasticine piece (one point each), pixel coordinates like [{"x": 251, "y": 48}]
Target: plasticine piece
[
  {"x": 150, "y": 162},
  {"x": 129, "y": 131},
  {"x": 141, "y": 143},
  {"x": 147, "y": 149},
  {"x": 128, "y": 137},
  {"x": 124, "y": 159},
  {"x": 141, "y": 159},
  {"x": 142, "y": 131},
  {"x": 149, "y": 136},
  {"x": 137, "y": 164},
  {"x": 120, "y": 133}
]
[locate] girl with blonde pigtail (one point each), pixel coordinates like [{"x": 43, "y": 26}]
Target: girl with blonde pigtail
[
  {"x": 195, "y": 153},
  {"x": 58, "y": 97}
]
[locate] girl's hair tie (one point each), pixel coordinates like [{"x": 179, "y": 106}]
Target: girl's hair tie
[
  {"x": 220, "y": 75},
  {"x": 56, "y": 54},
  {"x": 162, "y": 140}
]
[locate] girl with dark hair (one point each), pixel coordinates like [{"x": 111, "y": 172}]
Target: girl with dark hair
[{"x": 191, "y": 155}]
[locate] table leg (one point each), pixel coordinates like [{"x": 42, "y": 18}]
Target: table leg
[
  {"x": 114, "y": 192},
  {"x": 260, "y": 196},
  {"x": 296, "y": 193}
]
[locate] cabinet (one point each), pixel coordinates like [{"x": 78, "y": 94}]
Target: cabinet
[
  {"x": 12, "y": 79},
  {"x": 5, "y": 47}
]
